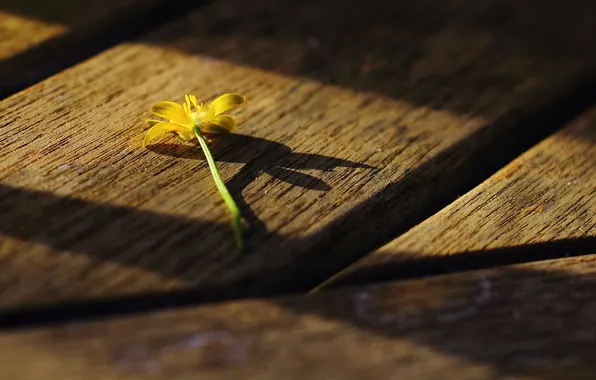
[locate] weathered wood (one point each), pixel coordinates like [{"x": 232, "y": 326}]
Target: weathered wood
[
  {"x": 38, "y": 38},
  {"x": 335, "y": 155},
  {"x": 541, "y": 205},
  {"x": 533, "y": 321}
]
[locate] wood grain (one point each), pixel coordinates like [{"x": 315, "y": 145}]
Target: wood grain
[
  {"x": 334, "y": 155},
  {"x": 541, "y": 205},
  {"x": 39, "y": 38},
  {"x": 533, "y": 321}
]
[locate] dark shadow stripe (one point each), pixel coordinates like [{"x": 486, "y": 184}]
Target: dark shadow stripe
[{"x": 86, "y": 40}]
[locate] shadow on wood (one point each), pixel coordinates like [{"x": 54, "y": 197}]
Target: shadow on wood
[
  {"x": 411, "y": 266},
  {"x": 431, "y": 53},
  {"x": 126, "y": 236},
  {"x": 66, "y": 32},
  {"x": 71, "y": 225},
  {"x": 515, "y": 320},
  {"x": 263, "y": 156},
  {"x": 444, "y": 55},
  {"x": 534, "y": 320}
]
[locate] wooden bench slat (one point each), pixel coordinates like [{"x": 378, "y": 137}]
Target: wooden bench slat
[
  {"x": 39, "y": 38},
  {"x": 541, "y": 205},
  {"x": 526, "y": 322},
  {"x": 334, "y": 154}
]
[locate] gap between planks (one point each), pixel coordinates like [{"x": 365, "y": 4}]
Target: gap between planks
[
  {"x": 531, "y": 321},
  {"x": 432, "y": 119},
  {"x": 40, "y": 39},
  {"x": 541, "y": 205},
  {"x": 388, "y": 263}
]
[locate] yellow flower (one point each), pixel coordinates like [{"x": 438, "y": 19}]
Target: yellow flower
[
  {"x": 181, "y": 119},
  {"x": 188, "y": 125}
]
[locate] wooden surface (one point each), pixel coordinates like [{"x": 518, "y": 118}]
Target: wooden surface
[
  {"x": 533, "y": 321},
  {"x": 334, "y": 155},
  {"x": 541, "y": 205},
  {"x": 366, "y": 122},
  {"x": 39, "y": 38}
]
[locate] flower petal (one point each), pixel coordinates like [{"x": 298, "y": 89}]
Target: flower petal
[
  {"x": 225, "y": 102},
  {"x": 186, "y": 109},
  {"x": 187, "y": 105},
  {"x": 193, "y": 99},
  {"x": 161, "y": 128},
  {"x": 152, "y": 122},
  {"x": 173, "y": 112},
  {"x": 221, "y": 124},
  {"x": 186, "y": 135}
]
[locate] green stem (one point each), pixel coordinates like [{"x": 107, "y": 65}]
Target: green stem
[{"x": 223, "y": 190}]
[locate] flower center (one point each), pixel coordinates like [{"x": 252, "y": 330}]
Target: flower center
[{"x": 202, "y": 115}]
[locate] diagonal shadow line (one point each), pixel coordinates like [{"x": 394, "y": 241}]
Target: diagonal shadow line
[
  {"x": 237, "y": 148},
  {"x": 328, "y": 42},
  {"x": 411, "y": 266},
  {"x": 71, "y": 225},
  {"x": 39, "y": 217},
  {"x": 263, "y": 156},
  {"x": 35, "y": 216},
  {"x": 28, "y": 210},
  {"x": 501, "y": 318},
  {"x": 366, "y": 209},
  {"x": 93, "y": 309},
  {"x": 97, "y": 309},
  {"x": 426, "y": 189},
  {"x": 85, "y": 40}
]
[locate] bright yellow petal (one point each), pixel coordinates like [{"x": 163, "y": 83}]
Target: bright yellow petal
[
  {"x": 152, "y": 122},
  {"x": 193, "y": 99},
  {"x": 161, "y": 128},
  {"x": 226, "y": 102},
  {"x": 186, "y": 135},
  {"x": 186, "y": 109},
  {"x": 221, "y": 124},
  {"x": 173, "y": 112},
  {"x": 187, "y": 104}
]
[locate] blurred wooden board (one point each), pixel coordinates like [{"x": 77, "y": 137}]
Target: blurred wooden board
[
  {"x": 533, "y": 321},
  {"x": 349, "y": 137},
  {"x": 38, "y": 38},
  {"x": 541, "y": 205}
]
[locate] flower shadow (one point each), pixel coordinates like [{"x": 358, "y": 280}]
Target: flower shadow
[{"x": 260, "y": 156}]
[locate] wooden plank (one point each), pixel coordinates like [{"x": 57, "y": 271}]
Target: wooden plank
[
  {"x": 322, "y": 171},
  {"x": 541, "y": 205},
  {"x": 38, "y": 38},
  {"x": 532, "y": 321}
]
